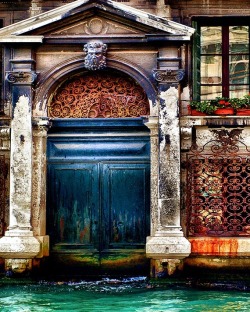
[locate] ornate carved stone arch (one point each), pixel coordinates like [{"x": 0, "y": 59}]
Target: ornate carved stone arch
[{"x": 52, "y": 80}]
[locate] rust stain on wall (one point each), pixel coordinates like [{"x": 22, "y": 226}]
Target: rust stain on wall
[
  {"x": 62, "y": 223},
  {"x": 214, "y": 246},
  {"x": 83, "y": 234}
]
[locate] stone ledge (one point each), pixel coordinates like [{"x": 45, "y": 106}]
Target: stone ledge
[
  {"x": 233, "y": 121},
  {"x": 167, "y": 247},
  {"x": 22, "y": 247}
]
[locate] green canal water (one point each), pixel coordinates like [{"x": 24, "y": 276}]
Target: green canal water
[{"x": 130, "y": 295}]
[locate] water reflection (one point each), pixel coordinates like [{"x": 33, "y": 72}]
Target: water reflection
[{"x": 131, "y": 295}]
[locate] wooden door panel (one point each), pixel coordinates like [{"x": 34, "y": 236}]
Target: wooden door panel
[
  {"x": 73, "y": 205},
  {"x": 98, "y": 195},
  {"x": 125, "y": 205}
]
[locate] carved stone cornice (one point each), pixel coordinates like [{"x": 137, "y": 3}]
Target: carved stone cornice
[
  {"x": 168, "y": 76},
  {"x": 20, "y": 77}
]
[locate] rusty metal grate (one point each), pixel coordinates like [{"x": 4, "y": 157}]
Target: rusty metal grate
[
  {"x": 2, "y": 193},
  {"x": 218, "y": 180},
  {"x": 101, "y": 95}
]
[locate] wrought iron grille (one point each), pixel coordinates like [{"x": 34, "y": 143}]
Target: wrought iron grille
[
  {"x": 2, "y": 194},
  {"x": 99, "y": 95},
  {"x": 218, "y": 180}
]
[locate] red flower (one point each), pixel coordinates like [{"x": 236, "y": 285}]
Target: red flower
[
  {"x": 224, "y": 103},
  {"x": 221, "y": 102}
]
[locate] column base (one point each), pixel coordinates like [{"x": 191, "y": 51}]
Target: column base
[
  {"x": 158, "y": 247},
  {"x": 19, "y": 245}
]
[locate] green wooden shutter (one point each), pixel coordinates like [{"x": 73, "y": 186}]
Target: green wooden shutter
[{"x": 196, "y": 62}]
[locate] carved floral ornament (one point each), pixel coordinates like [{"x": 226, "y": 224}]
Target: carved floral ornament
[{"x": 99, "y": 95}]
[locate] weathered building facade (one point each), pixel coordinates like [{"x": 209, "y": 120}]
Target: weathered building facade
[{"x": 104, "y": 168}]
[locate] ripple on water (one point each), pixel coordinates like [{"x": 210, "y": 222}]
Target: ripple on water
[{"x": 111, "y": 295}]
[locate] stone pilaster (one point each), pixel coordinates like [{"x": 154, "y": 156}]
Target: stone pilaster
[
  {"x": 19, "y": 242},
  {"x": 40, "y": 128},
  {"x": 153, "y": 125},
  {"x": 168, "y": 241},
  {"x": 38, "y": 221}
]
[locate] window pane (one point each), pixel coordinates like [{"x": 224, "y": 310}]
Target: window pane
[
  {"x": 238, "y": 39},
  {"x": 238, "y": 91},
  {"x": 210, "y": 92},
  {"x": 211, "y": 72},
  {"x": 223, "y": 62},
  {"x": 211, "y": 40},
  {"x": 239, "y": 69}
]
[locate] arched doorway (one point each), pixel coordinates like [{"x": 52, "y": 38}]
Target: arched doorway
[{"x": 98, "y": 203}]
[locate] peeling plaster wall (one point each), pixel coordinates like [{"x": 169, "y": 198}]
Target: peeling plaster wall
[
  {"x": 20, "y": 189},
  {"x": 170, "y": 158}
]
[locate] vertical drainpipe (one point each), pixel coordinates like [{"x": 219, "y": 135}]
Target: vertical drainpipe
[
  {"x": 166, "y": 245},
  {"x": 18, "y": 246}
]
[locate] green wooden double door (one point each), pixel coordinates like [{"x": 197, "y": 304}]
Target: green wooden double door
[{"x": 98, "y": 196}]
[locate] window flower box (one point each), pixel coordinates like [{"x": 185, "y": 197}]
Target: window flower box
[
  {"x": 224, "y": 111},
  {"x": 221, "y": 106},
  {"x": 201, "y": 108},
  {"x": 242, "y": 105},
  {"x": 243, "y": 112}
]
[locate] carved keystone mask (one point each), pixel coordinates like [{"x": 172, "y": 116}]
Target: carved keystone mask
[{"x": 95, "y": 55}]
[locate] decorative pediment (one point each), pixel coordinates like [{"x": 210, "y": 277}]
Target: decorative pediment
[
  {"x": 96, "y": 26},
  {"x": 94, "y": 18}
]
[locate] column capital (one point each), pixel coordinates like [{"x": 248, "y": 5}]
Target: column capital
[
  {"x": 40, "y": 127},
  {"x": 168, "y": 76},
  {"x": 152, "y": 123},
  {"x": 20, "y": 77}
]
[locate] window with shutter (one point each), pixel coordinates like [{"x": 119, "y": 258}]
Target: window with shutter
[{"x": 221, "y": 58}]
